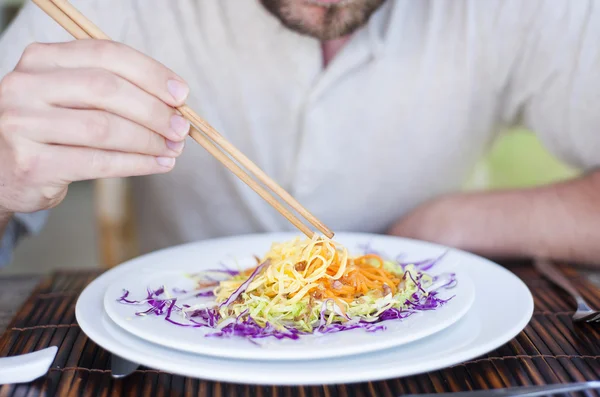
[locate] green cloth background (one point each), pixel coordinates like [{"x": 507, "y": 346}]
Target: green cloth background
[{"x": 518, "y": 159}]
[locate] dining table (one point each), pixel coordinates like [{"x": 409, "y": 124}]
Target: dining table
[{"x": 38, "y": 310}]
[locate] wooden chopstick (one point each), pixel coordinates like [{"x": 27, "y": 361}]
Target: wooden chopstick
[
  {"x": 253, "y": 168},
  {"x": 67, "y": 23},
  {"x": 81, "y": 28}
]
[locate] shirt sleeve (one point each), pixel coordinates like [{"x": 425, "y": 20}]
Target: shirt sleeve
[
  {"x": 20, "y": 226},
  {"x": 555, "y": 84}
]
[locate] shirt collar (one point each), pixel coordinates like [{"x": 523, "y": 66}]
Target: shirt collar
[{"x": 378, "y": 28}]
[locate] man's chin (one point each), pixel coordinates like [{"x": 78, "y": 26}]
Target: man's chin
[{"x": 323, "y": 19}]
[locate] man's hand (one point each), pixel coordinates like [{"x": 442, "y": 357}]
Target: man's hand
[
  {"x": 559, "y": 221},
  {"x": 83, "y": 110}
]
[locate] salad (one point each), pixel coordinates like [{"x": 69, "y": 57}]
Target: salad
[{"x": 300, "y": 287}]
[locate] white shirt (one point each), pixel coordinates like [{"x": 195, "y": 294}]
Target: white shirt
[{"x": 401, "y": 115}]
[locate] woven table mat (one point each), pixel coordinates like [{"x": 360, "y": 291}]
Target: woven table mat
[{"x": 550, "y": 350}]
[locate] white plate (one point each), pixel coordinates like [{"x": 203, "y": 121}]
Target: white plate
[
  {"x": 503, "y": 307},
  {"x": 169, "y": 267}
]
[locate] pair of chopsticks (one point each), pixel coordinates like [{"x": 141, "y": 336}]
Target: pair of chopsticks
[{"x": 82, "y": 28}]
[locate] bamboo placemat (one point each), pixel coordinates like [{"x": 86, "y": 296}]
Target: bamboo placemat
[{"x": 549, "y": 350}]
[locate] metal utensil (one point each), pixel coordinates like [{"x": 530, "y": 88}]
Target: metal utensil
[
  {"x": 523, "y": 391},
  {"x": 120, "y": 367},
  {"x": 584, "y": 311}
]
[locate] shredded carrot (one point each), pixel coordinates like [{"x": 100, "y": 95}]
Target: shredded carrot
[
  {"x": 365, "y": 273},
  {"x": 362, "y": 275}
]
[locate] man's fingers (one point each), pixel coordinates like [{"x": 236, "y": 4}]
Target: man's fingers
[
  {"x": 72, "y": 164},
  {"x": 95, "y": 89},
  {"x": 141, "y": 70},
  {"x": 94, "y": 129}
]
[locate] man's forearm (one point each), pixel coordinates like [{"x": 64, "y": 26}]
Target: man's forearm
[{"x": 559, "y": 221}]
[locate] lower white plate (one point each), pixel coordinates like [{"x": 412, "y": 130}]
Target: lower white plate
[{"x": 502, "y": 308}]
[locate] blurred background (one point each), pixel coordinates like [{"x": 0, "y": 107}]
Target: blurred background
[{"x": 71, "y": 237}]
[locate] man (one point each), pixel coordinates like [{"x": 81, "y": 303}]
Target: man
[{"x": 370, "y": 112}]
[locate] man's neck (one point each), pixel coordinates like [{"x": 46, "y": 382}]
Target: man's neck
[{"x": 330, "y": 48}]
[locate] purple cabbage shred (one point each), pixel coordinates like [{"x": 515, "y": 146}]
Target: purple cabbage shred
[{"x": 245, "y": 284}]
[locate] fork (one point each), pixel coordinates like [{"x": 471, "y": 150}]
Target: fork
[{"x": 584, "y": 311}]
